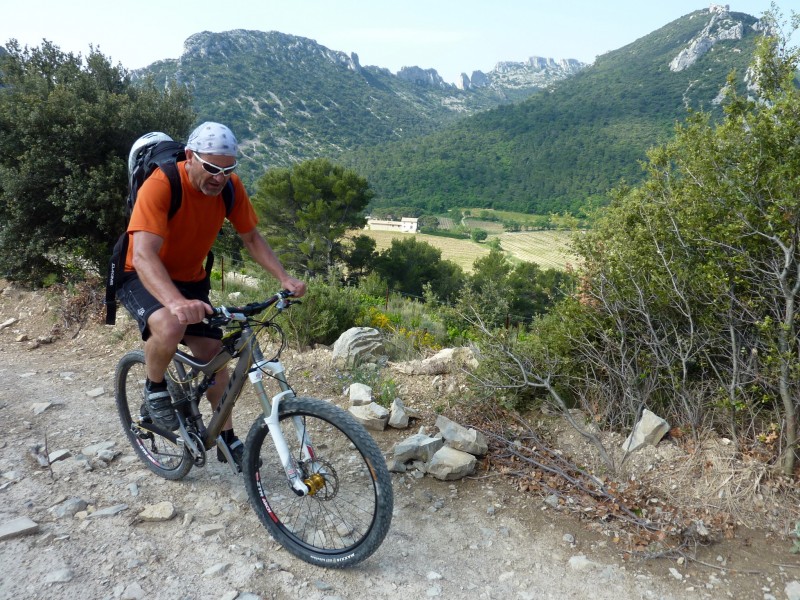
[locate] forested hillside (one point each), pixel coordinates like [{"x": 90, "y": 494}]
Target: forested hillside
[{"x": 562, "y": 149}]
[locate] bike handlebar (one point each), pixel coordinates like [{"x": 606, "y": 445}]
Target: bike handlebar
[{"x": 222, "y": 315}]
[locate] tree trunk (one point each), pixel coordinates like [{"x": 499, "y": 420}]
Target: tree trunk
[{"x": 789, "y": 412}]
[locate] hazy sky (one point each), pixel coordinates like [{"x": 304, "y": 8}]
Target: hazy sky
[{"x": 451, "y": 36}]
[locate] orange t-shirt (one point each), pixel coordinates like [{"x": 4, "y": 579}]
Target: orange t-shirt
[{"x": 190, "y": 233}]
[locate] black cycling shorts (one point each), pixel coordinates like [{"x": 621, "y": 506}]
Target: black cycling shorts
[{"x": 141, "y": 304}]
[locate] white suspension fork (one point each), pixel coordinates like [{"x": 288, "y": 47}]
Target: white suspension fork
[{"x": 282, "y": 448}]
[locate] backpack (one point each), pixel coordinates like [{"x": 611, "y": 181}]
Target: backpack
[{"x": 149, "y": 152}]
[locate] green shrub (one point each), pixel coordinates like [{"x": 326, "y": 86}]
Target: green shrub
[{"x": 326, "y": 311}]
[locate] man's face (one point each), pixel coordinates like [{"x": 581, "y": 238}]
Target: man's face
[{"x": 209, "y": 172}]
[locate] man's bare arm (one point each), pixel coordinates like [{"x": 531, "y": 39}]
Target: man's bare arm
[{"x": 263, "y": 254}]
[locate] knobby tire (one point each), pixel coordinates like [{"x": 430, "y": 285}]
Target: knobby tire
[
  {"x": 159, "y": 454},
  {"x": 343, "y": 523}
]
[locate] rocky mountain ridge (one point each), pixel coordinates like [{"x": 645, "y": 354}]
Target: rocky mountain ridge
[
  {"x": 721, "y": 26},
  {"x": 292, "y": 99},
  {"x": 536, "y": 72}
]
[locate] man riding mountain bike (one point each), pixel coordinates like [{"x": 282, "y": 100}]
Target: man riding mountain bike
[{"x": 165, "y": 286}]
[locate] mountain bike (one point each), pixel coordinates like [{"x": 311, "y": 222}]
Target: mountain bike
[{"x": 314, "y": 476}]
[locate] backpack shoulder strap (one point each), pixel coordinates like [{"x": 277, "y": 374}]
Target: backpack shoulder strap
[
  {"x": 228, "y": 196},
  {"x": 171, "y": 171}
]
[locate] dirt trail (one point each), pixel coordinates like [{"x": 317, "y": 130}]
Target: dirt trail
[{"x": 475, "y": 538}]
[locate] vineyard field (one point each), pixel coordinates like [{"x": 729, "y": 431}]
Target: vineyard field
[
  {"x": 548, "y": 249},
  {"x": 461, "y": 252}
]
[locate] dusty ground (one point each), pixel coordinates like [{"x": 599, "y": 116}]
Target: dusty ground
[{"x": 475, "y": 538}]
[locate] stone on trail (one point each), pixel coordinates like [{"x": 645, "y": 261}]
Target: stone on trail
[
  {"x": 449, "y": 464},
  {"x": 461, "y": 438},
  {"x": 17, "y": 527},
  {"x": 399, "y": 417},
  {"x": 417, "y": 447},
  {"x": 360, "y": 394},
  {"x": 154, "y": 513},
  {"x": 133, "y": 592},
  {"x": 69, "y": 508},
  {"x": 372, "y": 416},
  {"x": 94, "y": 449},
  {"x": 59, "y": 576},
  {"x": 58, "y": 455},
  {"x": 40, "y": 407}
]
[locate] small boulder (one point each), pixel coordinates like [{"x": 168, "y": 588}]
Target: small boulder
[
  {"x": 417, "y": 447},
  {"x": 445, "y": 361},
  {"x": 461, "y": 438},
  {"x": 648, "y": 431},
  {"x": 399, "y": 417},
  {"x": 360, "y": 394},
  {"x": 357, "y": 345},
  {"x": 449, "y": 464},
  {"x": 372, "y": 416}
]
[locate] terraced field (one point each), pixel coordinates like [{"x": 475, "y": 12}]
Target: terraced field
[
  {"x": 548, "y": 249},
  {"x": 461, "y": 252}
]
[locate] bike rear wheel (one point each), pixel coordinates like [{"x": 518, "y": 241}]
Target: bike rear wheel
[
  {"x": 346, "y": 520},
  {"x": 161, "y": 455}
]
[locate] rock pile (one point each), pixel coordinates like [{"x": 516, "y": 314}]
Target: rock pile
[{"x": 451, "y": 454}]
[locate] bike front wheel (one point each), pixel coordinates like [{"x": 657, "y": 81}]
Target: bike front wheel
[
  {"x": 348, "y": 515},
  {"x": 160, "y": 454}
]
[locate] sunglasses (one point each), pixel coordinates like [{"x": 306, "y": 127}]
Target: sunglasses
[{"x": 214, "y": 169}]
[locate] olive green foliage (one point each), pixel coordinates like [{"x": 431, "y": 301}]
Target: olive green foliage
[
  {"x": 478, "y": 234},
  {"x": 326, "y": 311},
  {"x": 407, "y": 265},
  {"x": 500, "y": 293},
  {"x": 561, "y": 147},
  {"x": 306, "y": 210},
  {"x": 66, "y": 126},
  {"x": 360, "y": 256},
  {"x": 689, "y": 300}
]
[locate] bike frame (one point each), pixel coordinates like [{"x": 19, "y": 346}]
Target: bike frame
[{"x": 252, "y": 365}]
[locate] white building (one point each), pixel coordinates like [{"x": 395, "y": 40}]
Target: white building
[{"x": 404, "y": 225}]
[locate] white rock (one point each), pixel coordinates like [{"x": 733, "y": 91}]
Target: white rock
[
  {"x": 648, "y": 431},
  {"x": 8, "y": 323},
  {"x": 217, "y": 569},
  {"x": 59, "y": 576},
  {"x": 580, "y": 563},
  {"x": 162, "y": 511},
  {"x": 95, "y": 449},
  {"x": 360, "y": 394},
  {"x": 792, "y": 590},
  {"x": 449, "y": 464},
  {"x": 133, "y": 592},
  {"x": 372, "y": 416},
  {"x": 40, "y": 407}
]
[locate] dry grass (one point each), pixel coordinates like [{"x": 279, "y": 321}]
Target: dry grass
[
  {"x": 548, "y": 249},
  {"x": 462, "y": 252}
]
